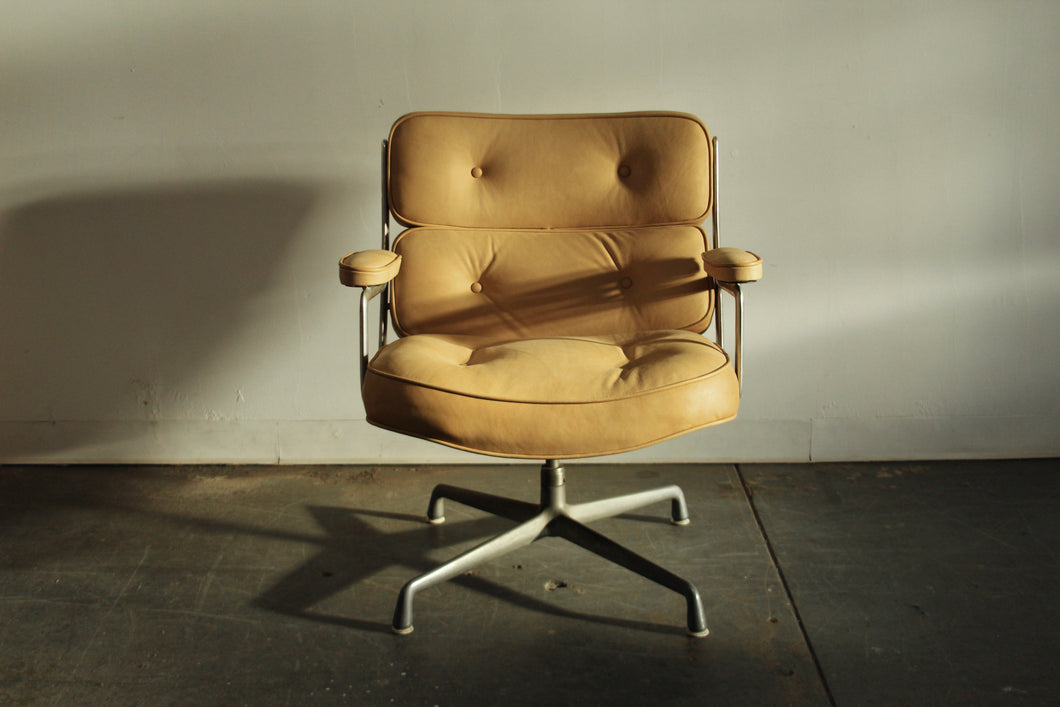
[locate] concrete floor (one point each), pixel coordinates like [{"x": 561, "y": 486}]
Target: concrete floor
[{"x": 911, "y": 584}]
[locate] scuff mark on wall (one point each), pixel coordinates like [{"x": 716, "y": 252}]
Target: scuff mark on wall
[{"x": 147, "y": 398}]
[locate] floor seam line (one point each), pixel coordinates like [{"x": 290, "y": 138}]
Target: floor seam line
[{"x": 775, "y": 561}]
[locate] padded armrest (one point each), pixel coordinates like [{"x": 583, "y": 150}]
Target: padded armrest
[
  {"x": 733, "y": 265},
  {"x": 367, "y": 268}
]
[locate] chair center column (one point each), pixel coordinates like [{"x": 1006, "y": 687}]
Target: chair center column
[{"x": 553, "y": 487}]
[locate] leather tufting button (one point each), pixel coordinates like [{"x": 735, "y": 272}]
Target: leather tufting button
[
  {"x": 626, "y": 283},
  {"x": 624, "y": 170},
  {"x": 476, "y": 172},
  {"x": 476, "y": 287}
]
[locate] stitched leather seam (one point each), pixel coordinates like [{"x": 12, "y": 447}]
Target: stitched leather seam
[{"x": 639, "y": 394}]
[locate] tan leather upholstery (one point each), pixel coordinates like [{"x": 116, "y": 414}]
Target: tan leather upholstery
[
  {"x": 733, "y": 265},
  {"x": 532, "y": 283},
  {"x": 577, "y": 171},
  {"x": 552, "y": 288},
  {"x": 368, "y": 268},
  {"x": 551, "y": 397}
]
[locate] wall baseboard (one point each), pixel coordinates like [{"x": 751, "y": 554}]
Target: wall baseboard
[
  {"x": 903, "y": 438},
  {"x": 357, "y": 442}
]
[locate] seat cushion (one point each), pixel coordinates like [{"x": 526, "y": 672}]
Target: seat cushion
[{"x": 551, "y": 397}]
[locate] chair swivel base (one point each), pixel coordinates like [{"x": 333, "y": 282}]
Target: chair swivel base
[{"x": 553, "y": 517}]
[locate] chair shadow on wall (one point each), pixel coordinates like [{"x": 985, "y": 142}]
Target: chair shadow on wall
[{"x": 113, "y": 300}]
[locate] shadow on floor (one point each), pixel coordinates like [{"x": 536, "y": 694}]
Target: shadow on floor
[{"x": 917, "y": 584}]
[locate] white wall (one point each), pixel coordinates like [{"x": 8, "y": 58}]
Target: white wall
[{"x": 178, "y": 179}]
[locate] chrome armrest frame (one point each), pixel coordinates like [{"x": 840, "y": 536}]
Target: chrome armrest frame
[
  {"x": 367, "y": 295},
  {"x": 733, "y": 288},
  {"x": 370, "y": 293}
]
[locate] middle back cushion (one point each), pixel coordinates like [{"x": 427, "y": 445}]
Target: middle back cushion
[{"x": 524, "y": 283}]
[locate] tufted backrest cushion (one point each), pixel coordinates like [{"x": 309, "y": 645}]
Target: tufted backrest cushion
[
  {"x": 550, "y": 225},
  {"x": 551, "y": 283},
  {"x": 569, "y": 171}
]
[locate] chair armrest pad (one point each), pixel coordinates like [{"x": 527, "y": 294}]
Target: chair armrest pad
[
  {"x": 732, "y": 265},
  {"x": 367, "y": 268}
]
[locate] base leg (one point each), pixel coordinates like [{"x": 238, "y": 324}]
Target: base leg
[
  {"x": 506, "y": 542},
  {"x": 605, "y": 547},
  {"x": 609, "y": 507},
  {"x": 509, "y": 508}
]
